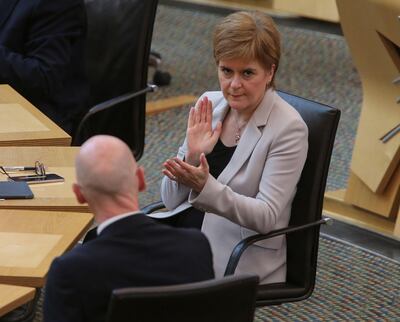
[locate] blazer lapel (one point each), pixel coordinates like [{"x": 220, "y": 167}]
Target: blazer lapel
[
  {"x": 219, "y": 112},
  {"x": 250, "y": 137},
  {"x": 6, "y": 7}
]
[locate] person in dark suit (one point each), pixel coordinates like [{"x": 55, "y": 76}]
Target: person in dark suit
[
  {"x": 130, "y": 249},
  {"x": 42, "y": 56}
]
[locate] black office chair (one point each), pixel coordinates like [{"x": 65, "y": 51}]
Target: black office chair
[
  {"x": 230, "y": 299},
  {"x": 305, "y": 219},
  {"x": 117, "y": 59},
  {"x": 303, "y": 231}
]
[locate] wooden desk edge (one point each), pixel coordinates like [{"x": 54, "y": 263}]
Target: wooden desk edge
[
  {"x": 335, "y": 207},
  {"x": 17, "y": 303},
  {"x": 39, "y": 281}
]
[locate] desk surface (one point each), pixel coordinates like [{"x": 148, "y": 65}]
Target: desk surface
[
  {"x": 30, "y": 240},
  {"x": 22, "y": 124},
  {"x": 12, "y": 296},
  {"x": 49, "y": 196}
]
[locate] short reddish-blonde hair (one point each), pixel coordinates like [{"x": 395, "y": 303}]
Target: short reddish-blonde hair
[{"x": 248, "y": 35}]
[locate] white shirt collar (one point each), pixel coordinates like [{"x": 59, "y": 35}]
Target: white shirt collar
[{"x": 111, "y": 220}]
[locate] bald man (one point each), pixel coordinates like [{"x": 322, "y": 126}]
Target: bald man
[{"x": 130, "y": 249}]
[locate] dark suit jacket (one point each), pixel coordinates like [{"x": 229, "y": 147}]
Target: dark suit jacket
[
  {"x": 41, "y": 55},
  {"x": 134, "y": 251}
]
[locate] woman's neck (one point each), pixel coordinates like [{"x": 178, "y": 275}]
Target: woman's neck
[{"x": 241, "y": 117}]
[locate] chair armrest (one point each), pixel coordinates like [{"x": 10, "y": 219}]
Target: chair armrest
[
  {"x": 108, "y": 104},
  {"x": 243, "y": 244},
  {"x": 153, "y": 207}
]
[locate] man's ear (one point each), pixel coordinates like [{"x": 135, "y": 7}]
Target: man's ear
[
  {"x": 78, "y": 193},
  {"x": 141, "y": 179}
]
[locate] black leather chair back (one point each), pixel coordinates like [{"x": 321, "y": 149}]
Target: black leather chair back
[
  {"x": 117, "y": 55},
  {"x": 230, "y": 299},
  {"x": 302, "y": 247}
]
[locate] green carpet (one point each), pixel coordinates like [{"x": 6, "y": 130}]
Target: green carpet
[{"x": 352, "y": 285}]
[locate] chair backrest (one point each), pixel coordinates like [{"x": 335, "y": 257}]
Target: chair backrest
[
  {"x": 230, "y": 299},
  {"x": 302, "y": 247},
  {"x": 117, "y": 55}
]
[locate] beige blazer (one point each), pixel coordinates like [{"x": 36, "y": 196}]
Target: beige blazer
[{"x": 254, "y": 193}]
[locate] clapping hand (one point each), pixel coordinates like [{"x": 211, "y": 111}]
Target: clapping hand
[
  {"x": 191, "y": 176},
  {"x": 201, "y": 138}
]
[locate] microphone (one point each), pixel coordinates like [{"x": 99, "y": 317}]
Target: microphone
[{"x": 108, "y": 104}]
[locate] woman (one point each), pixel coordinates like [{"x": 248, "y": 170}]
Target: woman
[{"x": 244, "y": 151}]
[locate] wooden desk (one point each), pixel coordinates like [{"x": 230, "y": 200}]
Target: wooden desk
[
  {"x": 22, "y": 124},
  {"x": 50, "y": 196},
  {"x": 372, "y": 197},
  {"x": 12, "y": 296},
  {"x": 30, "y": 240},
  {"x": 374, "y": 35},
  {"x": 316, "y": 9}
]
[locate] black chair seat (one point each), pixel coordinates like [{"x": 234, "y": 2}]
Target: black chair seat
[{"x": 230, "y": 299}]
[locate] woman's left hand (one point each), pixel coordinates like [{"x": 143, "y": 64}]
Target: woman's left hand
[{"x": 184, "y": 173}]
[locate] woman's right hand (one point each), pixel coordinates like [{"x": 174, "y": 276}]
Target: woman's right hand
[{"x": 201, "y": 138}]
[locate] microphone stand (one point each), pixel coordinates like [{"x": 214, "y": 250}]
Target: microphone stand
[
  {"x": 390, "y": 134},
  {"x": 108, "y": 104}
]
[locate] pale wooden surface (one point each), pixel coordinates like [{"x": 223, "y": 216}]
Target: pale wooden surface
[
  {"x": 372, "y": 31},
  {"x": 14, "y": 119},
  {"x": 397, "y": 225},
  {"x": 385, "y": 204},
  {"x": 165, "y": 104},
  {"x": 26, "y": 125},
  {"x": 336, "y": 207},
  {"x": 12, "y": 296},
  {"x": 318, "y": 9},
  {"x": 49, "y": 196},
  {"x": 30, "y": 240}
]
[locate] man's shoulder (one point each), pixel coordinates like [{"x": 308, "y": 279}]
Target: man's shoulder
[
  {"x": 142, "y": 226},
  {"x": 168, "y": 229},
  {"x": 68, "y": 266},
  {"x": 191, "y": 233},
  {"x": 191, "y": 239},
  {"x": 182, "y": 236},
  {"x": 76, "y": 256}
]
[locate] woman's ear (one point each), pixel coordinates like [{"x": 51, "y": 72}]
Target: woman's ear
[{"x": 271, "y": 73}]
